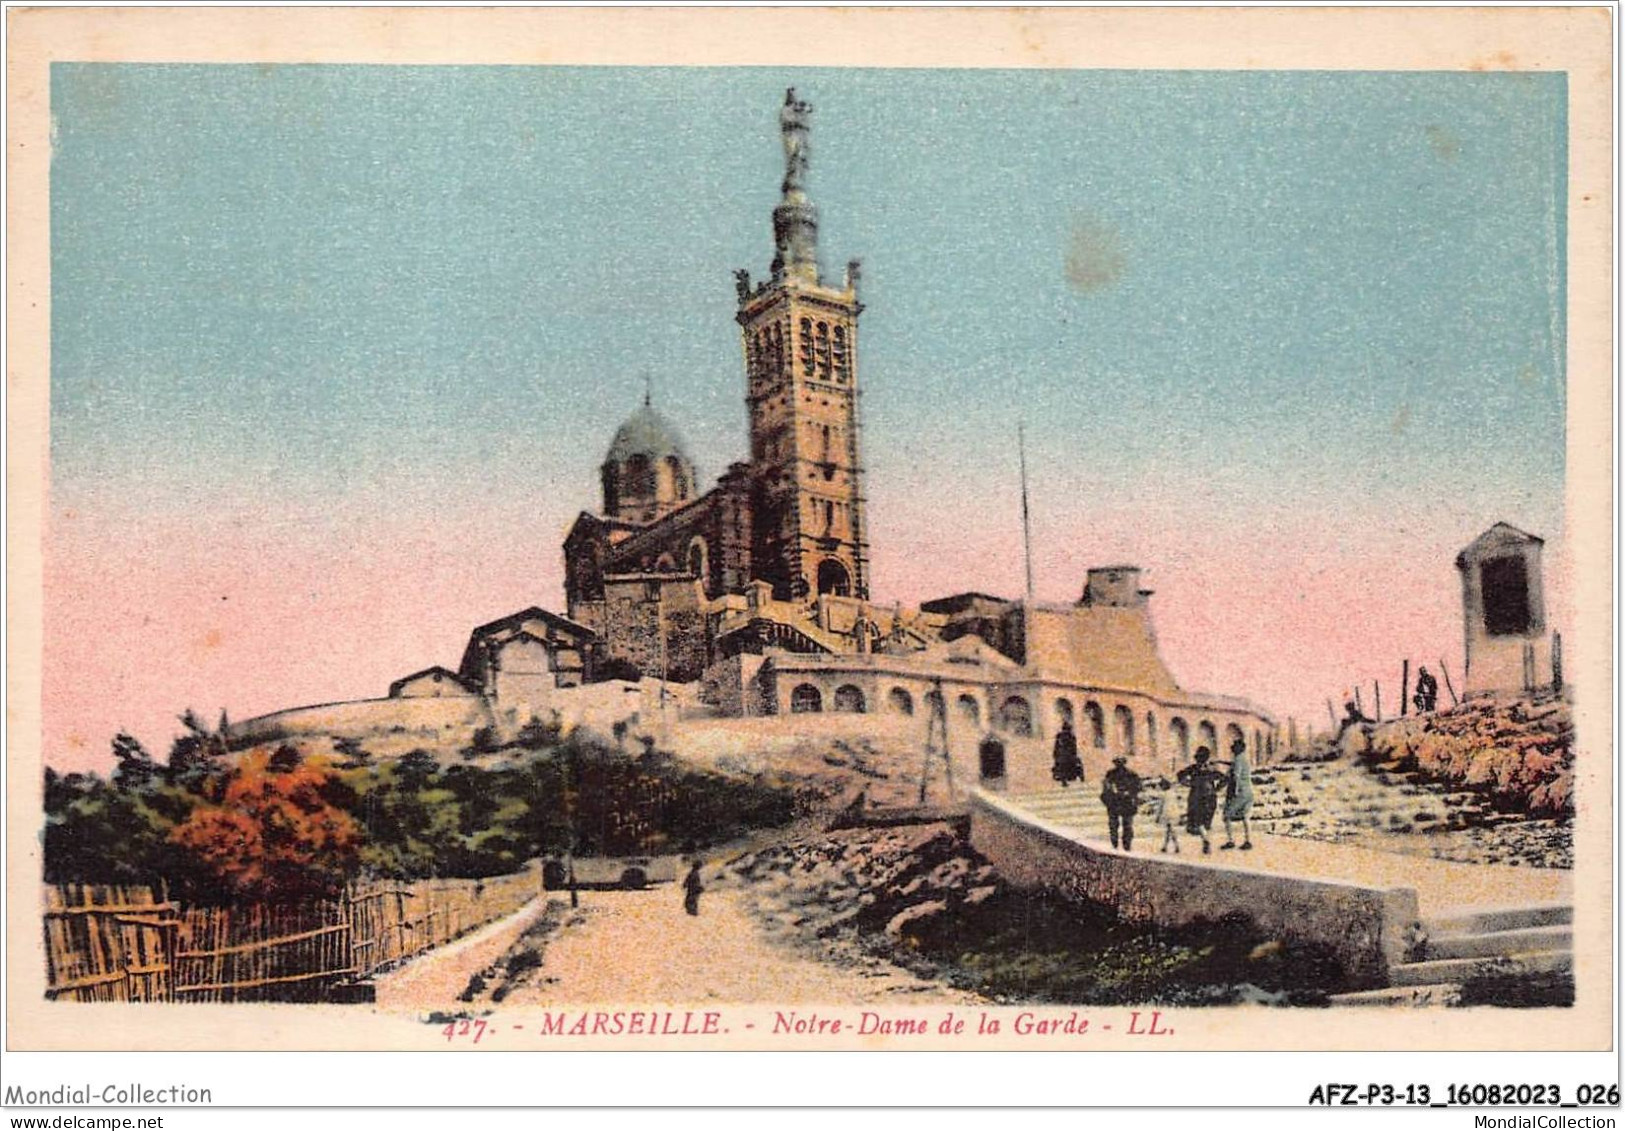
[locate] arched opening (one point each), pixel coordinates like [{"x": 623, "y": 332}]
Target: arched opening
[
  {"x": 1232, "y": 735},
  {"x": 1124, "y": 720},
  {"x": 900, "y": 701},
  {"x": 833, "y": 578},
  {"x": 990, "y": 759},
  {"x": 1181, "y": 731},
  {"x": 1097, "y": 724},
  {"x": 679, "y": 478},
  {"x": 849, "y": 699},
  {"x": 699, "y": 561},
  {"x": 1150, "y": 733},
  {"x": 806, "y": 700},
  {"x": 1258, "y": 745},
  {"x": 1016, "y": 716},
  {"x": 1207, "y": 735},
  {"x": 970, "y": 709},
  {"x": 640, "y": 477},
  {"x": 1063, "y": 711}
]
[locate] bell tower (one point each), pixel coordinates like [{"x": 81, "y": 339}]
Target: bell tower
[{"x": 801, "y": 370}]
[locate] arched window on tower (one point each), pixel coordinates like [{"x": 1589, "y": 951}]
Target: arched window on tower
[
  {"x": 640, "y": 477},
  {"x": 842, "y": 370},
  {"x": 821, "y": 351},
  {"x": 679, "y": 478},
  {"x": 833, "y": 578},
  {"x": 699, "y": 562},
  {"x": 806, "y": 347}
]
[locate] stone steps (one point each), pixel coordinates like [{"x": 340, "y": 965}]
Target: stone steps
[
  {"x": 1440, "y": 993},
  {"x": 1503, "y": 919},
  {"x": 1340, "y": 797},
  {"x": 1529, "y": 940},
  {"x": 1436, "y": 971},
  {"x": 1520, "y": 940}
]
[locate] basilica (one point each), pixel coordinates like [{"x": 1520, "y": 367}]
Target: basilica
[{"x": 756, "y": 592}]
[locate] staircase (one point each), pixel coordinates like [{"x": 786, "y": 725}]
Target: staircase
[
  {"x": 1076, "y": 808},
  {"x": 1342, "y": 799},
  {"x": 1457, "y": 948}
]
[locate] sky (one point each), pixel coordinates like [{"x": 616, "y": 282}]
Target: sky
[{"x": 337, "y": 351}]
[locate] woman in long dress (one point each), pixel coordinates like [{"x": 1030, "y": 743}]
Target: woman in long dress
[
  {"x": 1068, "y": 766},
  {"x": 1238, "y": 796},
  {"x": 1202, "y": 780}
]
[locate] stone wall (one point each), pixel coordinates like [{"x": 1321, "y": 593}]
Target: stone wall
[
  {"x": 656, "y": 622},
  {"x": 733, "y": 686},
  {"x": 441, "y": 718},
  {"x": 1364, "y": 927}
]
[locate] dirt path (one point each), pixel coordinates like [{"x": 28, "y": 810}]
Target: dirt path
[
  {"x": 640, "y": 947},
  {"x": 434, "y": 980}
]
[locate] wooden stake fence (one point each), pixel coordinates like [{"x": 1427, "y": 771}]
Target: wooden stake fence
[{"x": 105, "y": 943}]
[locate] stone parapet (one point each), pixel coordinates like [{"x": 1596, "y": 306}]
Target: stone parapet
[{"x": 1362, "y": 927}]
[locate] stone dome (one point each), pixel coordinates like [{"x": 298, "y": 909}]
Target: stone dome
[{"x": 647, "y": 472}]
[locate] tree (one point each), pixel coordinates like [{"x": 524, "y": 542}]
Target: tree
[
  {"x": 537, "y": 735},
  {"x": 351, "y": 750},
  {"x": 286, "y": 759},
  {"x": 484, "y": 742},
  {"x": 274, "y": 835},
  {"x": 136, "y": 770},
  {"x": 192, "y": 754}
]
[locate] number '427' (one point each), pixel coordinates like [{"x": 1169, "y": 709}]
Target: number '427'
[{"x": 467, "y": 1027}]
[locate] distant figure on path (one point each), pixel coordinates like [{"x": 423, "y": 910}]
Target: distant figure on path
[
  {"x": 1238, "y": 796},
  {"x": 1352, "y": 717},
  {"x": 1068, "y": 766},
  {"x": 1427, "y": 692},
  {"x": 1120, "y": 793},
  {"x": 692, "y": 887},
  {"x": 1202, "y": 780}
]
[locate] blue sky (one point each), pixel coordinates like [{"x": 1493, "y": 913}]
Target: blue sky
[
  {"x": 1274, "y": 313},
  {"x": 299, "y": 271}
]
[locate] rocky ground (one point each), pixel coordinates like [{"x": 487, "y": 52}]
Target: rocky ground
[
  {"x": 918, "y": 896},
  {"x": 1486, "y": 783}
]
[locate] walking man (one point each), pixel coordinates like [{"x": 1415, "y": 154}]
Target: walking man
[
  {"x": 1120, "y": 793},
  {"x": 1427, "y": 692},
  {"x": 692, "y": 887}
]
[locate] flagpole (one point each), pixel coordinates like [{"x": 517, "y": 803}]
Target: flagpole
[{"x": 1026, "y": 518}]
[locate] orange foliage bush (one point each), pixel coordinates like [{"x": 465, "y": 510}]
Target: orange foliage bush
[{"x": 272, "y": 836}]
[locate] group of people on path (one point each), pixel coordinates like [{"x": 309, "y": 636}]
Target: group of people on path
[{"x": 1121, "y": 788}]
